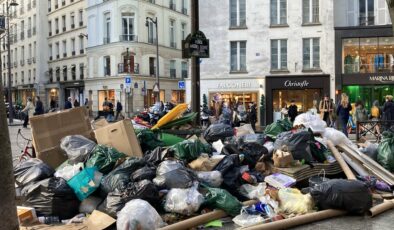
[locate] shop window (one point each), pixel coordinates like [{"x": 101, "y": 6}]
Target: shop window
[
  {"x": 368, "y": 94},
  {"x": 311, "y": 53},
  {"x": 278, "y": 12},
  {"x": 279, "y": 54},
  {"x": 351, "y": 55},
  {"x": 102, "y": 94},
  {"x": 386, "y": 52},
  {"x": 370, "y": 59},
  {"x": 151, "y": 97},
  {"x": 178, "y": 96}
]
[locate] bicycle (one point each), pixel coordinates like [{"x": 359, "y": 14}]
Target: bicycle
[{"x": 28, "y": 151}]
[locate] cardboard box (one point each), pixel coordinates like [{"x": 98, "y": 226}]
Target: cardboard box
[
  {"x": 100, "y": 123},
  {"x": 99, "y": 221},
  {"x": 26, "y": 215},
  {"x": 49, "y": 129},
  {"x": 121, "y": 136}
]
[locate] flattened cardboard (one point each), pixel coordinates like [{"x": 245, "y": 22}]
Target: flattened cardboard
[
  {"x": 121, "y": 136},
  {"x": 99, "y": 221},
  {"x": 100, "y": 123},
  {"x": 48, "y": 130},
  {"x": 26, "y": 215}
]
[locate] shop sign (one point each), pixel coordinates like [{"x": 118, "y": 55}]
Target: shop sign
[
  {"x": 382, "y": 79},
  {"x": 299, "y": 84},
  {"x": 235, "y": 85}
]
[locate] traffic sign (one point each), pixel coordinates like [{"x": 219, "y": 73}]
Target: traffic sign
[
  {"x": 127, "y": 80},
  {"x": 156, "y": 88},
  {"x": 181, "y": 85}
]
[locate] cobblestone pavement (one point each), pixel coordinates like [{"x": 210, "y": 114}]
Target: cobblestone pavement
[{"x": 384, "y": 221}]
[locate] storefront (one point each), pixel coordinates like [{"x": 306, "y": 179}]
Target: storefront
[
  {"x": 74, "y": 90},
  {"x": 305, "y": 90},
  {"x": 24, "y": 92},
  {"x": 365, "y": 63}
]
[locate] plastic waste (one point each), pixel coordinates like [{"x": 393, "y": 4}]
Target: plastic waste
[
  {"x": 269, "y": 145},
  {"x": 78, "y": 219},
  {"x": 178, "y": 178},
  {"x": 144, "y": 173},
  {"x": 277, "y": 127},
  {"x": 138, "y": 214},
  {"x": 168, "y": 166},
  {"x": 336, "y": 137},
  {"x": 77, "y": 148},
  {"x": 251, "y": 138},
  {"x": 218, "y": 146},
  {"x": 212, "y": 178},
  {"x": 252, "y": 153},
  {"x": 190, "y": 150},
  {"x": 244, "y": 219},
  {"x": 85, "y": 182},
  {"x": 371, "y": 150},
  {"x": 292, "y": 201},
  {"x": 148, "y": 140},
  {"x": 104, "y": 158},
  {"x": 296, "y": 143},
  {"x": 228, "y": 163},
  {"x": 221, "y": 199},
  {"x": 217, "y": 132},
  {"x": 350, "y": 195},
  {"x": 90, "y": 204},
  {"x": 386, "y": 151},
  {"x": 48, "y": 219},
  {"x": 244, "y": 130},
  {"x": 68, "y": 171},
  {"x": 310, "y": 120},
  {"x": 31, "y": 170},
  {"x": 51, "y": 197},
  {"x": 205, "y": 163},
  {"x": 183, "y": 201},
  {"x": 155, "y": 156},
  {"x": 253, "y": 192}
]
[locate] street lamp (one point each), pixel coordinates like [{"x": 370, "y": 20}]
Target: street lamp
[
  {"x": 10, "y": 105},
  {"x": 154, "y": 21}
]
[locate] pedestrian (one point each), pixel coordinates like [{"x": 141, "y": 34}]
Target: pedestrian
[
  {"x": 105, "y": 107},
  {"x": 119, "y": 109},
  {"x": 360, "y": 115},
  {"x": 52, "y": 104},
  {"x": 376, "y": 115},
  {"x": 86, "y": 104},
  {"x": 68, "y": 104},
  {"x": 110, "y": 115},
  {"x": 343, "y": 112},
  {"x": 28, "y": 111},
  {"x": 39, "y": 107},
  {"x": 293, "y": 111},
  {"x": 76, "y": 103},
  {"x": 388, "y": 112},
  {"x": 285, "y": 111},
  {"x": 325, "y": 108},
  {"x": 253, "y": 115}
]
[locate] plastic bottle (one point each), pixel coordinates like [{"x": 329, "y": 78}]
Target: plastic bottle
[
  {"x": 256, "y": 209},
  {"x": 49, "y": 219}
]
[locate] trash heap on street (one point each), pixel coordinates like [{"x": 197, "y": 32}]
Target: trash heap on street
[{"x": 131, "y": 177}]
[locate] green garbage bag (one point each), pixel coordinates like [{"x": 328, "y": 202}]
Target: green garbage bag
[
  {"x": 148, "y": 140},
  {"x": 104, "y": 158},
  {"x": 278, "y": 127},
  {"x": 221, "y": 199},
  {"x": 169, "y": 139},
  {"x": 189, "y": 150},
  {"x": 85, "y": 182},
  {"x": 386, "y": 151}
]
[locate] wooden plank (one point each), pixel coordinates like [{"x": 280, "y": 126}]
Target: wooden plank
[{"x": 348, "y": 172}]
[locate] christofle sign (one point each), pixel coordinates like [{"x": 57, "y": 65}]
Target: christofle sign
[
  {"x": 300, "y": 84},
  {"x": 383, "y": 79},
  {"x": 235, "y": 85}
]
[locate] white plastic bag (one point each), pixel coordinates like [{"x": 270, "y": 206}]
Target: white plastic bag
[
  {"x": 77, "y": 147},
  {"x": 138, "y": 214},
  {"x": 184, "y": 201},
  {"x": 218, "y": 146},
  {"x": 69, "y": 171},
  {"x": 167, "y": 166},
  {"x": 336, "y": 137},
  {"x": 212, "y": 178},
  {"x": 244, "y": 130},
  {"x": 253, "y": 192},
  {"x": 244, "y": 219},
  {"x": 310, "y": 120}
]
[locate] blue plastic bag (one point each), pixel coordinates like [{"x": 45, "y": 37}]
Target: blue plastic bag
[{"x": 85, "y": 182}]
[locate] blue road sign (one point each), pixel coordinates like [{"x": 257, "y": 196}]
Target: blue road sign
[
  {"x": 127, "y": 80},
  {"x": 181, "y": 85}
]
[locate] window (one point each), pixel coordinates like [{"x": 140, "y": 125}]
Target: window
[
  {"x": 172, "y": 5},
  {"x": 72, "y": 20},
  {"x": 29, "y": 27},
  {"x": 311, "y": 53},
  {"x": 80, "y": 17},
  {"x": 172, "y": 34},
  {"x": 185, "y": 69},
  {"x": 278, "y": 12},
  {"x": 72, "y": 46},
  {"x": 49, "y": 6},
  {"x": 310, "y": 11},
  {"x": 57, "y": 50},
  {"x": 81, "y": 72},
  {"x": 50, "y": 52},
  {"x": 279, "y": 54},
  {"x": 184, "y": 6},
  {"x": 57, "y": 25},
  {"x": 34, "y": 24},
  {"x": 183, "y": 31},
  {"x": 107, "y": 28},
  {"x": 81, "y": 45},
  {"x": 65, "y": 73},
  {"x": 127, "y": 27},
  {"x": 22, "y": 30},
  {"x": 151, "y": 32},
  {"x": 16, "y": 55},
  {"x": 366, "y": 12},
  {"x": 172, "y": 69},
  {"x": 237, "y": 13},
  {"x": 34, "y": 51},
  {"x": 238, "y": 56},
  {"x": 23, "y": 54},
  {"x": 64, "y": 22},
  {"x": 152, "y": 66},
  {"x": 50, "y": 28},
  {"x": 30, "y": 52},
  {"x": 64, "y": 48},
  {"x": 107, "y": 66}
]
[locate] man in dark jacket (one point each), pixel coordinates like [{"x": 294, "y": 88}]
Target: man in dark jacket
[
  {"x": 39, "y": 107},
  {"x": 68, "y": 104},
  {"x": 253, "y": 115},
  {"x": 119, "y": 109},
  {"x": 293, "y": 111},
  {"x": 388, "y": 112}
]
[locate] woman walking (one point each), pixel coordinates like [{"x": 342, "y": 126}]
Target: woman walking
[
  {"x": 343, "y": 112},
  {"x": 29, "y": 111}
]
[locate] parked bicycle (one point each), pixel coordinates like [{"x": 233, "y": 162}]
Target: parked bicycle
[{"x": 27, "y": 151}]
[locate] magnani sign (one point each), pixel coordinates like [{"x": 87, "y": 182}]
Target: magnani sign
[
  {"x": 299, "y": 84},
  {"x": 382, "y": 79}
]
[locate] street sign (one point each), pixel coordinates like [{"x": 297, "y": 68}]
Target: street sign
[
  {"x": 156, "y": 88},
  {"x": 181, "y": 85},
  {"x": 195, "y": 45},
  {"x": 127, "y": 81}
]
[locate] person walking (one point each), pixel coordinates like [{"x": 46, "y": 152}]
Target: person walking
[
  {"x": 253, "y": 115},
  {"x": 376, "y": 115},
  {"x": 343, "y": 112},
  {"x": 76, "y": 103},
  {"x": 105, "y": 107},
  {"x": 325, "y": 108},
  {"x": 293, "y": 111},
  {"x": 68, "y": 104},
  {"x": 360, "y": 115},
  {"x": 52, "y": 105},
  {"x": 29, "y": 112},
  {"x": 39, "y": 107},
  {"x": 388, "y": 112},
  {"x": 119, "y": 109},
  {"x": 86, "y": 104}
]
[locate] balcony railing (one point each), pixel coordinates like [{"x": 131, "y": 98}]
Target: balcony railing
[
  {"x": 184, "y": 11},
  {"x": 128, "y": 37},
  {"x": 82, "y": 51},
  {"x": 367, "y": 21},
  {"x": 22, "y": 62},
  {"x": 124, "y": 68},
  {"x": 173, "y": 44},
  {"x": 73, "y": 53},
  {"x": 64, "y": 29},
  {"x": 184, "y": 74},
  {"x": 81, "y": 23},
  {"x": 64, "y": 55},
  {"x": 29, "y": 33},
  {"x": 106, "y": 40},
  {"x": 72, "y": 26}
]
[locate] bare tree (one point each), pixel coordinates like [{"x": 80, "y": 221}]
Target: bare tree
[{"x": 8, "y": 216}]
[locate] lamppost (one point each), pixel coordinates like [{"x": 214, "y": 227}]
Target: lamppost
[
  {"x": 154, "y": 21},
  {"x": 10, "y": 105}
]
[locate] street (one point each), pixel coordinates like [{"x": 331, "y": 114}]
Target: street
[{"x": 384, "y": 221}]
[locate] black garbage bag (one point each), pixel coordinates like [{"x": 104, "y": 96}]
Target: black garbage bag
[
  {"x": 252, "y": 138},
  {"x": 178, "y": 178},
  {"x": 144, "y": 173},
  {"x": 190, "y": 150},
  {"x": 350, "y": 195},
  {"x": 120, "y": 177},
  {"x": 252, "y": 153},
  {"x": 116, "y": 200},
  {"x": 232, "y": 180},
  {"x": 77, "y": 148},
  {"x": 148, "y": 140},
  {"x": 31, "y": 170},
  {"x": 228, "y": 163},
  {"x": 217, "y": 132},
  {"x": 297, "y": 144},
  {"x": 230, "y": 149},
  {"x": 104, "y": 158},
  {"x": 51, "y": 197},
  {"x": 156, "y": 156}
]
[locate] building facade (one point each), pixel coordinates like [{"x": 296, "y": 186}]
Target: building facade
[
  {"x": 122, "y": 44},
  {"x": 364, "y": 49},
  {"x": 67, "y": 61},
  {"x": 281, "y": 49},
  {"x": 27, "y": 38}
]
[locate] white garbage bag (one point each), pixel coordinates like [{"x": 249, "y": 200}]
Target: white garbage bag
[{"x": 184, "y": 201}]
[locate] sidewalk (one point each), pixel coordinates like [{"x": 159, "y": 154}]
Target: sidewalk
[{"x": 16, "y": 122}]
